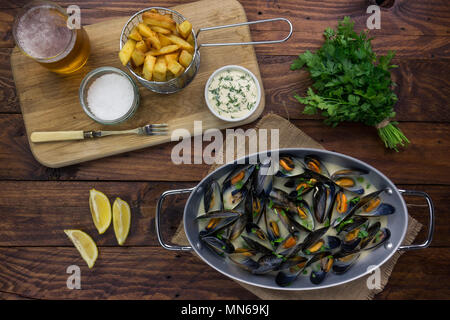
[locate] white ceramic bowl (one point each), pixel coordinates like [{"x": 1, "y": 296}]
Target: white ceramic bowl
[{"x": 258, "y": 87}]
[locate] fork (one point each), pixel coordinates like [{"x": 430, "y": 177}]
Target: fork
[{"x": 51, "y": 136}]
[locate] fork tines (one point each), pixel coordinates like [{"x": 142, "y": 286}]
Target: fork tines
[{"x": 156, "y": 129}]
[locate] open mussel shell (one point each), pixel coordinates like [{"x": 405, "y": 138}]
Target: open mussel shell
[
  {"x": 299, "y": 186},
  {"x": 216, "y": 225},
  {"x": 285, "y": 219},
  {"x": 254, "y": 230},
  {"x": 348, "y": 179},
  {"x": 263, "y": 178},
  {"x": 256, "y": 245},
  {"x": 380, "y": 238},
  {"x": 303, "y": 215},
  {"x": 273, "y": 231},
  {"x": 222, "y": 245},
  {"x": 314, "y": 164},
  {"x": 244, "y": 262},
  {"x": 311, "y": 240},
  {"x": 288, "y": 245},
  {"x": 238, "y": 227},
  {"x": 351, "y": 232},
  {"x": 323, "y": 201},
  {"x": 219, "y": 214},
  {"x": 212, "y": 199},
  {"x": 355, "y": 207},
  {"x": 343, "y": 261},
  {"x": 372, "y": 230},
  {"x": 326, "y": 261},
  {"x": 290, "y": 269},
  {"x": 289, "y": 166},
  {"x": 382, "y": 209},
  {"x": 234, "y": 187},
  {"x": 268, "y": 263},
  {"x": 255, "y": 206}
]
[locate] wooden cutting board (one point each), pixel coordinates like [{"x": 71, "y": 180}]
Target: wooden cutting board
[{"x": 50, "y": 101}]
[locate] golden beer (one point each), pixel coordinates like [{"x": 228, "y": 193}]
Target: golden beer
[{"x": 41, "y": 32}]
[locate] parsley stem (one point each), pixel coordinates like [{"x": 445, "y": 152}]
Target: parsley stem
[{"x": 392, "y": 136}]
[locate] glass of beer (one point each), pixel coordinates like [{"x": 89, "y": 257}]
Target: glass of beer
[{"x": 41, "y": 32}]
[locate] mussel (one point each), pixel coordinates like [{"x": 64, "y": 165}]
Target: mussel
[
  {"x": 244, "y": 262},
  {"x": 299, "y": 208},
  {"x": 350, "y": 180},
  {"x": 375, "y": 208},
  {"x": 234, "y": 186},
  {"x": 219, "y": 245},
  {"x": 262, "y": 182},
  {"x": 290, "y": 269},
  {"x": 268, "y": 263},
  {"x": 212, "y": 199},
  {"x": 324, "y": 197},
  {"x": 217, "y": 224},
  {"x": 351, "y": 230},
  {"x": 257, "y": 246},
  {"x": 343, "y": 261},
  {"x": 314, "y": 164},
  {"x": 273, "y": 232},
  {"x": 301, "y": 186},
  {"x": 326, "y": 261},
  {"x": 356, "y": 204},
  {"x": 289, "y": 166},
  {"x": 254, "y": 229},
  {"x": 379, "y": 237},
  {"x": 316, "y": 242}
]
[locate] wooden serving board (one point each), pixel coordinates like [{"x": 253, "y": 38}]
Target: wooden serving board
[{"x": 50, "y": 101}]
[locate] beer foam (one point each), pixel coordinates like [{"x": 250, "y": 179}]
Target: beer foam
[{"x": 42, "y": 33}]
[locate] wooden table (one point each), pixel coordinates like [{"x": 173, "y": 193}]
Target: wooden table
[{"x": 37, "y": 203}]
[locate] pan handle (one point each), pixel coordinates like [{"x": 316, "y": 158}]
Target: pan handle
[
  {"x": 244, "y": 24},
  {"x": 430, "y": 225},
  {"x": 158, "y": 220}
]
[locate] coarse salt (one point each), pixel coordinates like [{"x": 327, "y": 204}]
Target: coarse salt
[{"x": 110, "y": 96}]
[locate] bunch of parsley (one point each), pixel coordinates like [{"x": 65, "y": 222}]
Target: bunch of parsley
[{"x": 351, "y": 83}]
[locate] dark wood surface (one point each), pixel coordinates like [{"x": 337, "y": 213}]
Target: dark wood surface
[{"x": 37, "y": 203}]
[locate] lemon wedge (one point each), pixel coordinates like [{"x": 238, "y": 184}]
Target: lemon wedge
[
  {"x": 121, "y": 220},
  {"x": 100, "y": 210},
  {"x": 85, "y": 245}
]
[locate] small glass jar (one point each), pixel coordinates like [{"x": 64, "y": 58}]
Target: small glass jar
[{"x": 90, "y": 78}]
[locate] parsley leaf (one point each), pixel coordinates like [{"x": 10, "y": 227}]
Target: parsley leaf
[{"x": 351, "y": 83}]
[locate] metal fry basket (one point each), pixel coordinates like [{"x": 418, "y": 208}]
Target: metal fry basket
[{"x": 178, "y": 83}]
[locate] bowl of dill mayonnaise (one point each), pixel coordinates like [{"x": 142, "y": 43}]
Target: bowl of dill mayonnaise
[{"x": 232, "y": 93}]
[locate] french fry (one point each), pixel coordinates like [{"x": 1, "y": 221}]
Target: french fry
[
  {"x": 150, "y": 35},
  {"x": 172, "y": 56},
  {"x": 160, "y": 69},
  {"x": 181, "y": 42},
  {"x": 135, "y": 35},
  {"x": 174, "y": 67},
  {"x": 137, "y": 57},
  {"x": 158, "y": 47},
  {"x": 184, "y": 28},
  {"x": 145, "y": 30},
  {"x": 126, "y": 51},
  {"x": 156, "y": 19},
  {"x": 160, "y": 30},
  {"x": 164, "y": 40},
  {"x": 163, "y": 50},
  {"x": 149, "y": 65},
  {"x": 185, "y": 58},
  {"x": 141, "y": 46},
  {"x": 190, "y": 40}
]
